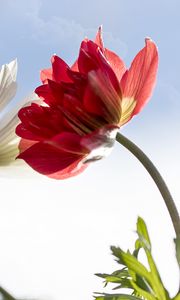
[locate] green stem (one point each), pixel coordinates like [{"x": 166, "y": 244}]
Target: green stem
[
  {"x": 152, "y": 170},
  {"x": 6, "y": 295}
]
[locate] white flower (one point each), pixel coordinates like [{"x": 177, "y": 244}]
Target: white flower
[{"x": 9, "y": 107}]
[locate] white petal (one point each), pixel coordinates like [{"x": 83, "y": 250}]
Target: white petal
[
  {"x": 8, "y": 122},
  {"x": 8, "y": 133},
  {"x": 8, "y": 86},
  {"x": 13, "y": 68},
  {"x": 9, "y": 108}
]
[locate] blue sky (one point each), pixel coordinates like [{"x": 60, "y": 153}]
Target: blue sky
[{"x": 42, "y": 220}]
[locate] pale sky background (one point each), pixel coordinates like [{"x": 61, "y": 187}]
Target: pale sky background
[{"x": 56, "y": 234}]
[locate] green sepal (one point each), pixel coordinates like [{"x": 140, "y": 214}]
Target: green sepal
[{"x": 143, "y": 234}]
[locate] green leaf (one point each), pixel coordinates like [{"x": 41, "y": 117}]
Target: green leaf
[
  {"x": 177, "y": 243},
  {"x": 157, "y": 284},
  {"x": 144, "y": 242},
  {"x": 134, "y": 265},
  {"x": 142, "y": 283},
  {"x": 125, "y": 283},
  {"x": 116, "y": 251},
  {"x": 116, "y": 297},
  {"x": 120, "y": 276},
  {"x": 139, "y": 273},
  {"x": 143, "y": 293}
]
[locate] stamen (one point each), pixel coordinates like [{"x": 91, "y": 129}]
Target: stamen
[
  {"x": 93, "y": 122},
  {"x": 74, "y": 122}
]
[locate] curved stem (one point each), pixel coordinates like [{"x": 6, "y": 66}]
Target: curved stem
[
  {"x": 160, "y": 183},
  {"x": 6, "y": 295}
]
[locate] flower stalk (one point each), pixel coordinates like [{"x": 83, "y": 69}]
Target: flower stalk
[
  {"x": 156, "y": 176},
  {"x": 5, "y": 295}
]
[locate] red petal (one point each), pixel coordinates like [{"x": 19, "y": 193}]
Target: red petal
[
  {"x": 45, "y": 75},
  {"x": 75, "y": 66},
  {"x": 39, "y": 122},
  {"x": 57, "y": 92},
  {"x": 87, "y": 61},
  {"x": 103, "y": 87},
  {"x": 68, "y": 142},
  {"x": 77, "y": 77},
  {"x": 25, "y": 144},
  {"x": 79, "y": 83},
  {"x": 92, "y": 103},
  {"x": 139, "y": 81},
  {"x": 99, "y": 39},
  {"x": 25, "y": 133},
  {"x": 116, "y": 63},
  {"x": 60, "y": 154},
  {"x": 73, "y": 170},
  {"x": 59, "y": 69},
  {"x": 44, "y": 92},
  {"x": 71, "y": 103}
]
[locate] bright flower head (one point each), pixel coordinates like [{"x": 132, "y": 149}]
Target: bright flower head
[
  {"x": 8, "y": 86},
  {"x": 84, "y": 106},
  {"x": 9, "y": 108}
]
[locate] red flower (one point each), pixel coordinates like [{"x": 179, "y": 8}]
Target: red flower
[{"x": 84, "y": 106}]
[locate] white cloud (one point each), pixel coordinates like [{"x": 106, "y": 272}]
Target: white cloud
[{"x": 62, "y": 34}]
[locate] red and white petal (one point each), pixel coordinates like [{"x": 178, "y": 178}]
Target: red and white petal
[
  {"x": 99, "y": 143},
  {"x": 127, "y": 110}
]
